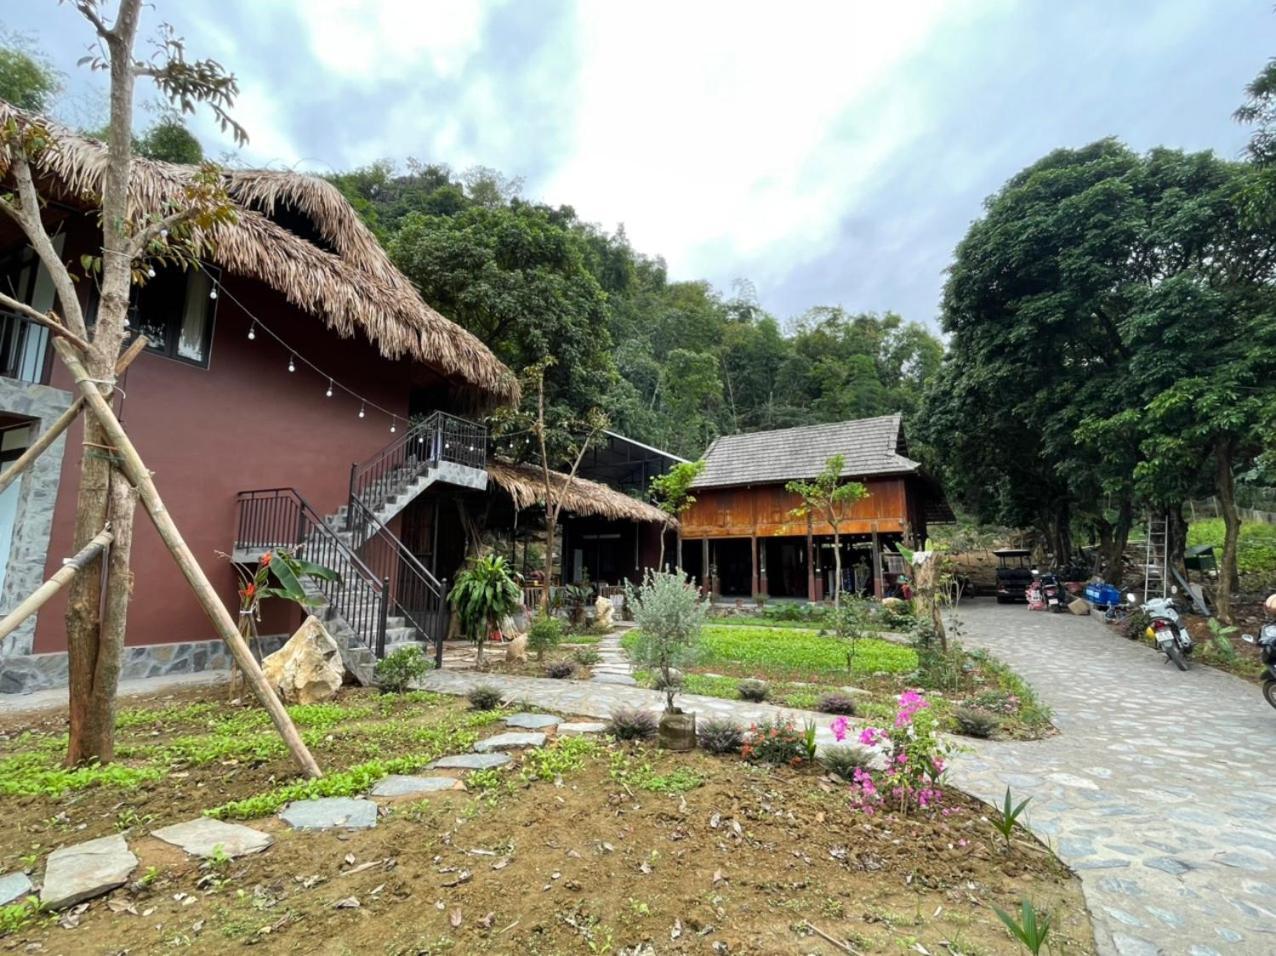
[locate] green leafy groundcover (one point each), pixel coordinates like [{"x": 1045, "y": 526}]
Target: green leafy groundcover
[
  {"x": 802, "y": 651},
  {"x": 1255, "y": 552}
]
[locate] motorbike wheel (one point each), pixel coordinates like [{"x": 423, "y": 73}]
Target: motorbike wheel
[
  {"x": 1269, "y": 691},
  {"x": 1174, "y": 654}
]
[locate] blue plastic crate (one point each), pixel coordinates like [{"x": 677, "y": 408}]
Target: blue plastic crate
[{"x": 1102, "y": 595}]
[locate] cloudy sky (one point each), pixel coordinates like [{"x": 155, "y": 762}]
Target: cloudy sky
[{"x": 829, "y": 153}]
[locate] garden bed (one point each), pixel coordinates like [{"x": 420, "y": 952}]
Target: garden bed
[
  {"x": 802, "y": 665},
  {"x": 586, "y": 846}
]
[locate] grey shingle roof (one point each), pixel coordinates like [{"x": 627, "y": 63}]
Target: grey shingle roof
[{"x": 871, "y": 446}]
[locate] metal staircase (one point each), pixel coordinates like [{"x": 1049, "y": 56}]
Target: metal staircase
[
  {"x": 1155, "y": 560},
  {"x": 386, "y": 597}
]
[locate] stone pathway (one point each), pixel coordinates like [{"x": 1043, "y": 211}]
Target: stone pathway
[
  {"x": 614, "y": 666},
  {"x": 206, "y": 838},
  {"x": 1157, "y": 790}
]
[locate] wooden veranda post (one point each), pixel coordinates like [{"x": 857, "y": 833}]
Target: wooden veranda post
[{"x": 135, "y": 469}]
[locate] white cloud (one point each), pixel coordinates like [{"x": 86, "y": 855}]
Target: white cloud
[
  {"x": 363, "y": 42},
  {"x": 728, "y": 130}
]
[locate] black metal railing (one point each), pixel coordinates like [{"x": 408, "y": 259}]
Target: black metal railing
[
  {"x": 415, "y": 593},
  {"x": 281, "y": 518},
  {"x": 440, "y": 437},
  {"x": 24, "y": 349}
]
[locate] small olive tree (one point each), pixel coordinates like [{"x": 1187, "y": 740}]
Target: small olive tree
[
  {"x": 830, "y": 499},
  {"x": 669, "y": 616},
  {"x": 671, "y": 493}
]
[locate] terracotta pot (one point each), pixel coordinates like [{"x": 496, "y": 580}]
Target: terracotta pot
[{"x": 677, "y": 730}]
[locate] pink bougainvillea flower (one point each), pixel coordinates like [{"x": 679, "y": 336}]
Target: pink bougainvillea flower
[
  {"x": 869, "y": 736},
  {"x": 838, "y": 726}
]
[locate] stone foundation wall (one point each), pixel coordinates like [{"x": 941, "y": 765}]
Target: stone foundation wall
[{"x": 25, "y": 673}]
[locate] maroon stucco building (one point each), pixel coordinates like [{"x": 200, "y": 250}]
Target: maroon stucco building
[{"x": 216, "y": 411}]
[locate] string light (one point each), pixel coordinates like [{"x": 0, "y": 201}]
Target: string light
[
  {"x": 150, "y": 272},
  {"x": 294, "y": 358}
]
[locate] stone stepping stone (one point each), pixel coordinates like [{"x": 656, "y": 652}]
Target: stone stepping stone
[
  {"x": 330, "y": 813},
  {"x": 14, "y": 886},
  {"x": 202, "y": 838},
  {"x": 85, "y": 870},
  {"x": 581, "y": 727},
  {"x": 470, "y": 762},
  {"x": 399, "y": 785},
  {"x": 530, "y": 721},
  {"x": 510, "y": 741},
  {"x": 623, "y": 679}
]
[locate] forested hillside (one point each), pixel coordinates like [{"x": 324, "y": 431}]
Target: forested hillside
[{"x": 673, "y": 364}]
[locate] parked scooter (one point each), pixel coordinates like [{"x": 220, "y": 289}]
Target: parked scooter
[
  {"x": 1050, "y": 590},
  {"x": 1266, "y": 642},
  {"x": 1167, "y": 630}
]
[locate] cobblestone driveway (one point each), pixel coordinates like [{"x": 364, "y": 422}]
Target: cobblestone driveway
[{"x": 1158, "y": 789}]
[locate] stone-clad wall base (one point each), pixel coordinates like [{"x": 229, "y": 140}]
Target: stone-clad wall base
[{"x": 23, "y": 674}]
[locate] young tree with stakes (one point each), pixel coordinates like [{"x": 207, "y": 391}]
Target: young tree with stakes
[
  {"x": 831, "y": 499},
  {"x": 133, "y": 241},
  {"x": 671, "y": 493}
]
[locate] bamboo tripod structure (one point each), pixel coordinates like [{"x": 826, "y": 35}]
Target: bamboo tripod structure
[{"x": 134, "y": 469}]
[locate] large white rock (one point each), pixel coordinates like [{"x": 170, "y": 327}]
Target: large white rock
[
  {"x": 516, "y": 650},
  {"x": 604, "y": 612},
  {"x": 308, "y": 668},
  {"x": 85, "y": 870}
]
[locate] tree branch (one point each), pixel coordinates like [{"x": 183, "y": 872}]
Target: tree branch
[
  {"x": 29, "y": 220},
  {"x": 137, "y": 246},
  {"x": 49, "y": 321},
  {"x": 87, "y": 11}
]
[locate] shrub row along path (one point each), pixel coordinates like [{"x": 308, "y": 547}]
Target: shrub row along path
[{"x": 1157, "y": 789}]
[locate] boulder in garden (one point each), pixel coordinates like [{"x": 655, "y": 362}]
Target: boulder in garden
[
  {"x": 516, "y": 650},
  {"x": 308, "y": 668},
  {"x": 604, "y": 612}
]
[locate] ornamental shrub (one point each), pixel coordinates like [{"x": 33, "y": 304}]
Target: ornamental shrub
[
  {"x": 836, "y": 704},
  {"x": 775, "y": 741},
  {"x": 632, "y": 723},
  {"x": 398, "y": 670},
  {"x": 975, "y": 722},
  {"x": 587, "y": 657},
  {"x": 560, "y": 669},
  {"x": 844, "y": 761},
  {"x": 670, "y": 615},
  {"x": 484, "y": 697},
  {"x": 754, "y": 690},
  {"x": 915, "y": 759},
  {"x": 720, "y": 735},
  {"x": 544, "y": 634}
]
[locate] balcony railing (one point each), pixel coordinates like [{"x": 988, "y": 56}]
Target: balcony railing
[{"x": 24, "y": 349}]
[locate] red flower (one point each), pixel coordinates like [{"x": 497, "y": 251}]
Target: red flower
[
  {"x": 265, "y": 560},
  {"x": 249, "y": 590}
]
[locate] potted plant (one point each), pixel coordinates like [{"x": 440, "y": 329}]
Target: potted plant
[
  {"x": 483, "y": 594},
  {"x": 669, "y": 616}
]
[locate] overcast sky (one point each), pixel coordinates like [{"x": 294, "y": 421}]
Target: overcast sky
[{"x": 832, "y": 154}]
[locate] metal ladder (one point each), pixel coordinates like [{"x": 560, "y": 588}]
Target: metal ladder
[{"x": 1155, "y": 557}]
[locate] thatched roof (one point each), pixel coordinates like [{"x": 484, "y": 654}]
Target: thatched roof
[
  {"x": 332, "y": 267},
  {"x": 525, "y": 484}
]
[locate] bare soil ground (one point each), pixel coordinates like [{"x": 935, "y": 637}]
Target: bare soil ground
[{"x": 595, "y": 847}]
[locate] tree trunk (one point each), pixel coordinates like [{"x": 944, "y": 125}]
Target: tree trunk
[
  {"x": 660, "y": 564},
  {"x": 1226, "y": 491},
  {"x": 837, "y": 568},
  {"x": 97, "y": 740},
  {"x": 551, "y": 528},
  {"x": 1176, "y": 539}
]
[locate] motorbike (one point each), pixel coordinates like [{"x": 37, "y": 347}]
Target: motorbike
[
  {"x": 1168, "y": 631},
  {"x": 1266, "y": 642},
  {"x": 1051, "y": 590}
]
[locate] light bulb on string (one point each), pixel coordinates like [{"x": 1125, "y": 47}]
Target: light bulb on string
[
  {"x": 393, "y": 429},
  {"x": 150, "y": 272},
  {"x": 328, "y": 393},
  {"x": 292, "y": 366},
  {"x": 212, "y": 293},
  {"x": 252, "y": 331},
  {"x": 362, "y": 410}
]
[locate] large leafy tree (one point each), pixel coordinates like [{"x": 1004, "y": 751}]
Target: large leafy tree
[{"x": 27, "y": 80}]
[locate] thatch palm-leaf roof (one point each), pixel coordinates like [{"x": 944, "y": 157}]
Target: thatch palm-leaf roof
[
  {"x": 340, "y": 274},
  {"x": 525, "y": 484}
]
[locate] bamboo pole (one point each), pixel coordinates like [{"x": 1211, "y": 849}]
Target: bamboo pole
[
  {"x": 60, "y": 579},
  {"x": 63, "y": 421},
  {"x": 133, "y": 466}
]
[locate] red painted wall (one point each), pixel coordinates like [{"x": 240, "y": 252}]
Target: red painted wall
[{"x": 243, "y": 423}]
